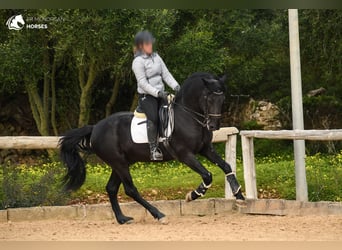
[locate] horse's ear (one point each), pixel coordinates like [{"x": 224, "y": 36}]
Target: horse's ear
[
  {"x": 208, "y": 82},
  {"x": 224, "y": 78}
]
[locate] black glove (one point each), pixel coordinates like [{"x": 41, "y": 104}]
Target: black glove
[
  {"x": 163, "y": 95},
  {"x": 177, "y": 89}
]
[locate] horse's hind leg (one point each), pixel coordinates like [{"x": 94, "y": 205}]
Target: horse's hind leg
[
  {"x": 112, "y": 190},
  {"x": 132, "y": 191}
]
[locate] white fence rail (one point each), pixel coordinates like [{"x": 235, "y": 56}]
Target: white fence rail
[
  {"x": 227, "y": 135},
  {"x": 248, "y": 149},
  {"x": 29, "y": 142}
]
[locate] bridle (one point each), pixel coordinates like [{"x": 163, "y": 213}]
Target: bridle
[{"x": 206, "y": 116}]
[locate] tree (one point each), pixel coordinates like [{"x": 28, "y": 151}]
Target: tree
[
  {"x": 78, "y": 71},
  {"x": 196, "y": 50},
  {"x": 321, "y": 48},
  {"x": 30, "y": 62},
  {"x": 89, "y": 40}
]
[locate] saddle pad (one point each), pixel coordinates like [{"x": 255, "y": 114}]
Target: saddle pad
[{"x": 139, "y": 130}]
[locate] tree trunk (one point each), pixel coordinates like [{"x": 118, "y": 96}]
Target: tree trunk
[
  {"x": 134, "y": 102},
  {"x": 33, "y": 105},
  {"x": 46, "y": 90},
  {"x": 114, "y": 96},
  {"x": 86, "y": 91},
  {"x": 53, "y": 98},
  {"x": 37, "y": 109},
  {"x": 40, "y": 105}
]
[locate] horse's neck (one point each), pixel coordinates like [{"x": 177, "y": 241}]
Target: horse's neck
[
  {"x": 189, "y": 102},
  {"x": 187, "y": 113}
]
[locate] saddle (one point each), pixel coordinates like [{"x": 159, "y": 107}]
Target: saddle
[{"x": 166, "y": 123}]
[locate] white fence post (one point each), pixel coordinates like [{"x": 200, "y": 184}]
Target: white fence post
[
  {"x": 228, "y": 135},
  {"x": 248, "y": 148},
  {"x": 297, "y": 106},
  {"x": 249, "y": 167},
  {"x": 230, "y": 157}
]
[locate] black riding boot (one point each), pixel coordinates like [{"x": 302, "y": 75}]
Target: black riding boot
[{"x": 152, "y": 135}]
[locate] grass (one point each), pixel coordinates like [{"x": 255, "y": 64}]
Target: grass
[
  {"x": 158, "y": 181},
  {"x": 40, "y": 184}
]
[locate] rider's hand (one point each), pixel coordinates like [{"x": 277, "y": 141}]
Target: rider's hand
[{"x": 163, "y": 95}]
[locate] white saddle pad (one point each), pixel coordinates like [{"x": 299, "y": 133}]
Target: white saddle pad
[{"x": 139, "y": 130}]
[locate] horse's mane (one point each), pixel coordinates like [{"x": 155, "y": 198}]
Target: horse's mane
[
  {"x": 195, "y": 79},
  {"x": 201, "y": 75}
]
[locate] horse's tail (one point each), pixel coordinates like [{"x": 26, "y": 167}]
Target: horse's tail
[{"x": 71, "y": 144}]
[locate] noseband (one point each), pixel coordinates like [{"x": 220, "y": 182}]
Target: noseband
[{"x": 206, "y": 116}]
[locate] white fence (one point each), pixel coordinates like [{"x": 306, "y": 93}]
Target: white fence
[
  {"x": 227, "y": 135},
  {"x": 248, "y": 149}
]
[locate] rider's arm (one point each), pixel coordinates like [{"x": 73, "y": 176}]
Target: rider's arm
[
  {"x": 166, "y": 75},
  {"x": 138, "y": 68}
]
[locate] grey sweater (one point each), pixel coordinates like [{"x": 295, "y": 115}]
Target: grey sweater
[{"x": 151, "y": 71}]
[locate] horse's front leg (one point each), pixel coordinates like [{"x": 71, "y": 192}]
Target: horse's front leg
[
  {"x": 190, "y": 160},
  {"x": 210, "y": 153}
]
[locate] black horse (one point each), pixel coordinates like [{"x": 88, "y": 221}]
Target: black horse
[{"x": 197, "y": 112}]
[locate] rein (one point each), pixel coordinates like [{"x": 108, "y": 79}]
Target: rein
[
  {"x": 205, "y": 116},
  {"x": 193, "y": 115}
]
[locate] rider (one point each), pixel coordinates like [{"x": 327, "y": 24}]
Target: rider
[{"x": 151, "y": 73}]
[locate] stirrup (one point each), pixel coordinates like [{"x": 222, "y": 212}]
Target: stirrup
[{"x": 156, "y": 155}]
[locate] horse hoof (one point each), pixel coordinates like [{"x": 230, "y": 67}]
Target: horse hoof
[
  {"x": 126, "y": 220},
  {"x": 129, "y": 221},
  {"x": 241, "y": 203},
  {"x": 188, "y": 197},
  {"x": 163, "y": 221}
]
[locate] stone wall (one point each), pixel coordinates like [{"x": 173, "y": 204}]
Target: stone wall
[{"x": 264, "y": 113}]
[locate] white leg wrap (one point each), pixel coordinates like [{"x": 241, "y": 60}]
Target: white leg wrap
[
  {"x": 198, "y": 193},
  {"x": 206, "y": 186},
  {"x": 237, "y": 190},
  {"x": 231, "y": 173}
]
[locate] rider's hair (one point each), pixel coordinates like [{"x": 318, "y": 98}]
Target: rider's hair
[{"x": 135, "y": 49}]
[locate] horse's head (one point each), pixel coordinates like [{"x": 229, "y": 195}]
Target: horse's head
[
  {"x": 202, "y": 96},
  {"x": 212, "y": 101}
]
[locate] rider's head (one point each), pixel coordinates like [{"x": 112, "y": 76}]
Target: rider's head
[{"x": 143, "y": 42}]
